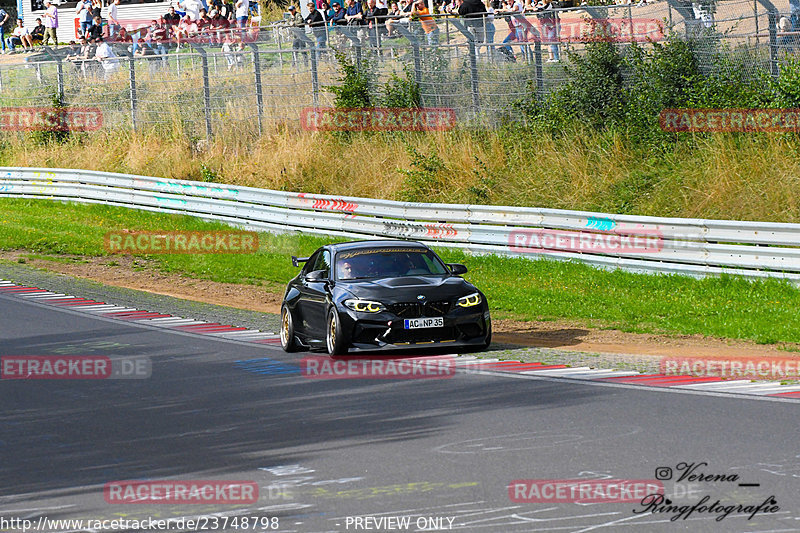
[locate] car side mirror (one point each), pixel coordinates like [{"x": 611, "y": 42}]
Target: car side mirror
[
  {"x": 317, "y": 275},
  {"x": 457, "y": 269}
]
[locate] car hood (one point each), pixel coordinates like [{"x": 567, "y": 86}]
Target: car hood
[{"x": 407, "y": 289}]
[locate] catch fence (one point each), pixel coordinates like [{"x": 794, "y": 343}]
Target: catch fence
[{"x": 203, "y": 89}]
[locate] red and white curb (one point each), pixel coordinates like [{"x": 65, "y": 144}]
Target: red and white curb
[
  {"x": 138, "y": 316},
  {"x": 709, "y": 384},
  {"x": 465, "y": 363}
]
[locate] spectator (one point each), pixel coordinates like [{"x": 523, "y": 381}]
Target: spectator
[
  {"x": 227, "y": 10},
  {"x": 474, "y": 12},
  {"x": 192, "y": 8},
  {"x": 84, "y": 12},
  {"x": 337, "y": 17},
  {"x": 204, "y": 25},
  {"x": 20, "y": 37},
  {"x": 50, "y": 23},
  {"x": 325, "y": 9},
  {"x": 549, "y": 24},
  {"x": 97, "y": 8},
  {"x": 219, "y": 26},
  {"x": 786, "y": 41},
  {"x": 113, "y": 20},
  {"x": 515, "y": 31},
  {"x": 490, "y": 29},
  {"x": 297, "y": 28},
  {"x": 146, "y": 51},
  {"x": 124, "y": 37},
  {"x": 83, "y": 59},
  {"x": 395, "y": 17},
  {"x": 37, "y": 33},
  {"x": 172, "y": 18},
  {"x": 95, "y": 30},
  {"x": 106, "y": 56},
  {"x": 186, "y": 29},
  {"x": 3, "y": 19},
  {"x": 242, "y": 11},
  {"x": 317, "y": 24},
  {"x": 420, "y": 10},
  {"x": 155, "y": 37},
  {"x": 354, "y": 14},
  {"x": 232, "y": 51},
  {"x": 375, "y": 18}
]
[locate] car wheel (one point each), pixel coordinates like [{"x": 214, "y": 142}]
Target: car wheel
[
  {"x": 288, "y": 342},
  {"x": 334, "y": 336},
  {"x": 488, "y": 340}
]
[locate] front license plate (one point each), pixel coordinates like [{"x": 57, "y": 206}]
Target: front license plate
[{"x": 419, "y": 323}]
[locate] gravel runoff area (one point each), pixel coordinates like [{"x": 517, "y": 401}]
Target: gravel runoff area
[{"x": 24, "y": 274}]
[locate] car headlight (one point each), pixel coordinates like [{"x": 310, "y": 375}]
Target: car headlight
[
  {"x": 471, "y": 300},
  {"x": 364, "y": 306}
]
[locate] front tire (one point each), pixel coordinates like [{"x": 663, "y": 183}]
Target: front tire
[
  {"x": 488, "y": 339},
  {"x": 288, "y": 341},
  {"x": 334, "y": 337}
]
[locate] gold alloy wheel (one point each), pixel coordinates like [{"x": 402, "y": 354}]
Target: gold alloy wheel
[
  {"x": 285, "y": 327},
  {"x": 332, "y": 333}
]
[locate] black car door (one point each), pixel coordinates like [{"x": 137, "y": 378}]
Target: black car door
[{"x": 313, "y": 299}]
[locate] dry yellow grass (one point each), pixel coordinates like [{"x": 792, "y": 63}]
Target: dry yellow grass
[{"x": 726, "y": 176}]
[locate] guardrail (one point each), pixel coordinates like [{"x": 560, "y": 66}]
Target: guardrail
[{"x": 693, "y": 247}]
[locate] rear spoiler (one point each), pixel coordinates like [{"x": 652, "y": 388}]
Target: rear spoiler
[{"x": 297, "y": 260}]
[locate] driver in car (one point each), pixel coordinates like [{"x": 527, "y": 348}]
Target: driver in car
[{"x": 346, "y": 270}]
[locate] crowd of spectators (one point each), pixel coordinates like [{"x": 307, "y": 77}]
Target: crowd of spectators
[
  {"x": 214, "y": 22},
  {"x": 375, "y": 20}
]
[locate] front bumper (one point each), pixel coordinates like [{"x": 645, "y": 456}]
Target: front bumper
[{"x": 384, "y": 331}]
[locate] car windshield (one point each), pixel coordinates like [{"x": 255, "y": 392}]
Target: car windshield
[{"x": 388, "y": 263}]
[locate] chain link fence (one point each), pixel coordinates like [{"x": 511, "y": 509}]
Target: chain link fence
[{"x": 203, "y": 89}]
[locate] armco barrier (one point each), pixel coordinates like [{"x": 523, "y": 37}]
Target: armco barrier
[{"x": 685, "y": 246}]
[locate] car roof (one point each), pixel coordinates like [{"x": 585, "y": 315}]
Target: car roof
[{"x": 357, "y": 245}]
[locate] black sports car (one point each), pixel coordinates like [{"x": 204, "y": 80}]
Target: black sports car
[{"x": 372, "y": 295}]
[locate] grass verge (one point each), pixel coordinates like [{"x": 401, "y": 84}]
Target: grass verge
[{"x": 727, "y": 307}]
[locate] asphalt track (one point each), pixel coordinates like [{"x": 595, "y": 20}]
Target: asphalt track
[{"x": 326, "y": 451}]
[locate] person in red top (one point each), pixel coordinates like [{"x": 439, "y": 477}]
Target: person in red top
[{"x": 204, "y": 25}]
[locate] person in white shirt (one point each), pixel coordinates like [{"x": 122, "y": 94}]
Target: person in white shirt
[
  {"x": 20, "y": 36},
  {"x": 106, "y": 56},
  {"x": 192, "y": 8},
  {"x": 242, "y": 11},
  {"x": 113, "y": 20}
]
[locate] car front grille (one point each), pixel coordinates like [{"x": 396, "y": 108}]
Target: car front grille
[{"x": 416, "y": 310}]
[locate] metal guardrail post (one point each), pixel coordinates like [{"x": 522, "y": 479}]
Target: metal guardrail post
[
  {"x": 473, "y": 64},
  {"x": 206, "y": 88},
  {"x": 259, "y": 90},
  {"x": 134, "y": 99},
  {"x": 772, "y": 17}
]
